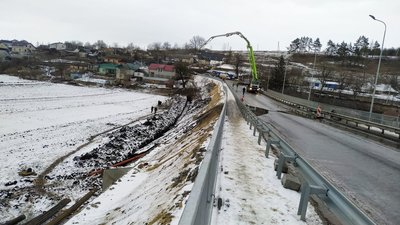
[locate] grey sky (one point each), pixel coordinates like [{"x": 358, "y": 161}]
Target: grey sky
[{"x": 263, "y": 22}]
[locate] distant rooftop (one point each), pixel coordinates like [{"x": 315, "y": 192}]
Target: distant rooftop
[{"x": 169, "y": 68}]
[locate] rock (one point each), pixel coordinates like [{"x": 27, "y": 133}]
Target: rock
[
  {"x": 10, "y": 183},
  {"x": 291, "y": 182},
  {"x": 219, "y": 203},
  {"x": 27, "y": 172}
]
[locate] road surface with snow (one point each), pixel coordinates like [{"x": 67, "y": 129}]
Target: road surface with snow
[{"x": 366, "y": 171}]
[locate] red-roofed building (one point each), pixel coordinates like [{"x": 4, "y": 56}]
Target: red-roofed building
[{"x": 161, "y": 74}]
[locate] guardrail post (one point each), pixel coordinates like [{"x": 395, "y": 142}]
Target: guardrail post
[
  {"x": 281, "y": 161},
  {"x": 261, "y": 134},
  {"x": 246, "y": 117},
  {"x": 268, "y": 147},
  {"x": 306, "y": 191},
  {"x": 256, "y": 125}
]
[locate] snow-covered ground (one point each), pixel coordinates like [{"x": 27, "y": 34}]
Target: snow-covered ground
[
  {"x": 58, "y": 119},
  {"x": 41, "y": 122}
]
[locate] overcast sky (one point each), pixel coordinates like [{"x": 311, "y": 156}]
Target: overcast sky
[{"x": 263, "y": 22}]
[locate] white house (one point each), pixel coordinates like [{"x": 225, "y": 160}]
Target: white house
[
  {"x": 22, "y": 48},
  {"x": 58, "y": 46}
]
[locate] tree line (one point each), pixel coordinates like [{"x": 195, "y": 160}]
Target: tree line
[
  {"x": 361, "y": 47},
  {"x": 194, "y": 44}
]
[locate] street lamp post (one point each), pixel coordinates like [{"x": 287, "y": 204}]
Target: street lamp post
[
  {"x": 284, "y": 76},
  {"x": 379, "y": 66},
  {"x": 312, "y": 76}
]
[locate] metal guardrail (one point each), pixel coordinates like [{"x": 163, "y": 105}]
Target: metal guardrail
[
  {"x": 314, "y": 183},
  {"x": 200, "y": 203},
  {"x": 393, "y": 121},
  {"x": 308, "y": 111}
]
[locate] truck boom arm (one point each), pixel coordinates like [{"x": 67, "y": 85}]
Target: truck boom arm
[{"x": 249, "y": 50}]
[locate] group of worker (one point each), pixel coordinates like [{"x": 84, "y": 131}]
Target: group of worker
[{"x": 154, "y": 108}]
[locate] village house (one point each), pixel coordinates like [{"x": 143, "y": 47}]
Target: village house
[
  {"x": 108, "y": 69},
  {"x": 160, "y": 74},
  {"x": 124, "y": 73},
  {"x": 58, "y": 46},
  {"x": 4, "y": 53},
  {"x": 7, "y": 43},
  {"x": 80, "y": 67},
  {"x": 22, "y": 48},
  {"x": 112, "y": 60}
]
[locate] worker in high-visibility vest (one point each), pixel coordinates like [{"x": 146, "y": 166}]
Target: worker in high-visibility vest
[{"x": 318, "y": 111}]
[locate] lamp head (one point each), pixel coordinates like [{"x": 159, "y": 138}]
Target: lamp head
[{"x": 373, "y": 17}]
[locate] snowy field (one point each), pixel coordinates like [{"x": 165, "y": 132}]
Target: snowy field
[{"x": 41, "y": 122}]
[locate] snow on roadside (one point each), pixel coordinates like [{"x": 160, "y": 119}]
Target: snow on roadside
[
  {"x": 154, "y": 191},
  {"x": 247, "y": 182}
]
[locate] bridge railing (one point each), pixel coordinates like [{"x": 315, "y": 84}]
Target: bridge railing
[{"x": 302, "y": 106}]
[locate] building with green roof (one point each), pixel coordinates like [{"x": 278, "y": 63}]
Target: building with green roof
[{"x": 108, "y": 69}]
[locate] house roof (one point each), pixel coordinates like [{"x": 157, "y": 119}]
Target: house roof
[
  {"x": 132, "y": 66},
  {"x": 169, "y": 68},
  {"x": 21, "y": 43}
]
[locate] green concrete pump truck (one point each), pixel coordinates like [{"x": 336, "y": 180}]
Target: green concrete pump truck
[{"x": 254, "y": 84}]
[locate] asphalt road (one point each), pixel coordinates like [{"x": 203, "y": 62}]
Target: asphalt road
[{"x": 366, "y": 171}]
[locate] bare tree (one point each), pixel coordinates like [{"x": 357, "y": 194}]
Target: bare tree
[
  {"x": 295, "y": 78},
  {"x": 238, "y": 62},
  {"x": 100, "y": 44},
  {"x": 88, "y": 45},
  {"x": 176, "y": 46},
  {"x": 394, "y": 82},
  {"x": 342, "y": 80},
  {"x": 196, "y": 42},
  {"x": 264, "y": 73},
  {"x": 356, "y": 82},
  {"x": 60, "y": 70},
  {"x": 166, "y": 45},
  {"x": 132, "y": 47},
  {"x": 182, "y": 71},
  {"x": 325, "y": 76},
  {"x": 155, "y": 49},
  {"x": 155, "y": 46}
]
